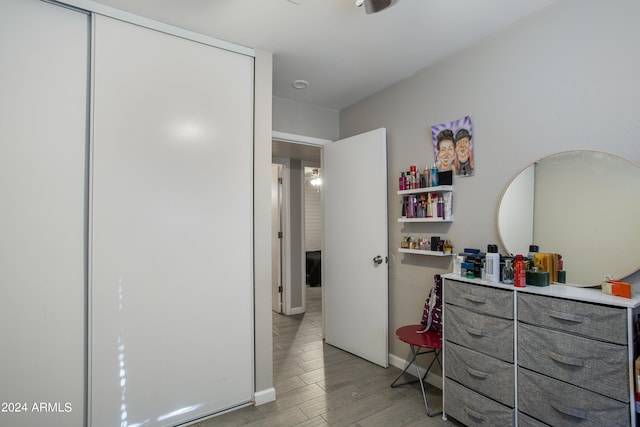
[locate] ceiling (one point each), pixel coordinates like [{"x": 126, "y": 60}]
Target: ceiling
[{"x": 344, "y": 53}]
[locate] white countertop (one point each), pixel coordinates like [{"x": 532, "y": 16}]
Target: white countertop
[{"x": 558, "y": 290}]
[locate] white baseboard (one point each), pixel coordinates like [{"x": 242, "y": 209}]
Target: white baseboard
[
  {"x": 296, "y": 310},
  {"x": 400, "y": 363},
  {"x": 264, "y": 396}
]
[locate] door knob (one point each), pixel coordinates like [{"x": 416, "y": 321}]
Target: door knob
[{"x": 377, "y": 260}]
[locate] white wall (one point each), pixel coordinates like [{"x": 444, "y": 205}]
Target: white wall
[
  {"x": 299, "y": 118},
  {"x": 565, "y": 79}
]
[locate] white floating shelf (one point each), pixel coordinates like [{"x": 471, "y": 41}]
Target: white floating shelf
[
  {"x": 422, "y": 252},
  {"x": 425, "y": 220},
  {"x": 426, "y": 190}
]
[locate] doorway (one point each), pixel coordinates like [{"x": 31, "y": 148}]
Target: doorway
[{"x": 298, "y": 156}]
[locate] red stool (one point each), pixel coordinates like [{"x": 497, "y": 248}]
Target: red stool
[{"x": 431, "y": 342}]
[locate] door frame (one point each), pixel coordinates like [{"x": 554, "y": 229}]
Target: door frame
[
  {"x": 286, "y": 261},
  {"x": 285, "y": 242}
]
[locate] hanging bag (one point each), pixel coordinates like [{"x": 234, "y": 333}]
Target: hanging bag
[{"x": 432, "y": 312}]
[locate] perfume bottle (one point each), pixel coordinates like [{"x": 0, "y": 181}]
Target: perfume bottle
[{"x": 507, "y": 272}]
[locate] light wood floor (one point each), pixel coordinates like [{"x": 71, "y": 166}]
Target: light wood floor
[{"x": 319, "y": 385}]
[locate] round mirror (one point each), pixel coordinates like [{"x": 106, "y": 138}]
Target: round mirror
[{"x": 584, "y": 205}]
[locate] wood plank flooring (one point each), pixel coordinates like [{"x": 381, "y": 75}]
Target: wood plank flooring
[{"x": 319, "y": 385}]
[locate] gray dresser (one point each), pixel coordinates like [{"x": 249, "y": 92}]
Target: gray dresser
[{"x": 555, "y": 356}]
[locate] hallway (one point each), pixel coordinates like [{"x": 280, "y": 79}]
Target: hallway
[{"x": 319, "y": 385}]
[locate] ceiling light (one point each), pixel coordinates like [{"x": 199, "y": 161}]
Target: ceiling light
[
  {"x": 373, "y": 6},
  {"x": 300, "y": 84}
]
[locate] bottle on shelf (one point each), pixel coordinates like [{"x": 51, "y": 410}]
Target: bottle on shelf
[
  {"x": 402, "y": 182},
  {"x": 426, "y": 177},
  {"x": 434, "y": 176},
  {"x": 440, "y": 207},
  {"x": 414, "y": 177}
]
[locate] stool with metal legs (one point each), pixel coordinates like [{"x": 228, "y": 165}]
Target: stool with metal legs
[{"x": 429, "y": 342}]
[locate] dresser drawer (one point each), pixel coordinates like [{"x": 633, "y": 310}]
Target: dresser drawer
[
  {"x": 557, "y": 403},
  {"x": 594, "y": 365},
  {"x": 590, "y": 320},
  {"x": 484, "y": 374},
  {"x": 497, "y": 302},
  {"x": 487, "y": 334},
  {"x": 526, "y": 421},
  {"x": 473, "y": 409}
]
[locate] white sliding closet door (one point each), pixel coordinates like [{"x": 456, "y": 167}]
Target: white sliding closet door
[
  {"x": 43, "y": 139},
  {"x": 172, "y": 243}
]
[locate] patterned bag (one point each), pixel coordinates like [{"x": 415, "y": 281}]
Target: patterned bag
[{"x": 432, "y": 313}]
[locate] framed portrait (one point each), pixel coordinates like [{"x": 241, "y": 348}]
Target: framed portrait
[{"x": 453, "y": 146}]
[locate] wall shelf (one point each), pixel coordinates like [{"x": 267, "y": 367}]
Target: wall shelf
[
  {"x": 439, "y": 188},
  {"x": 425, "y": 220},
  {"x": 423, "y": 252}
]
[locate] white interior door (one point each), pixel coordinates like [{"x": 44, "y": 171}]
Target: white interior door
[{"x": 355, "y": 234}]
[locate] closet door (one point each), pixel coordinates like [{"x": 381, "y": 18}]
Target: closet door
[
  {"x": 43, "y": 139},
  {"x": 172, "y": 244}
]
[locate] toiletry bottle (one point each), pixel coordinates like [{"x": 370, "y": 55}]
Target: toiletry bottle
[
  {"x": 426, "y": 173},
  {"x": 507, "y": 272},
  {"x": 411, "y": 208},
  {"x": 520, "y": 274},
  {"x": 402, "y": 182},
  {"x": 440, "y": 207},
  {"x": 447, "y": 207},
  {"x": 448, "y": 247},
  {"x": 414, "y": 178},
  {"x": 434, "y": 176},
  {"x": 457, "y": 264},
  {"x": 493, "y": 264},
  {"x": 434, "y": 205}
]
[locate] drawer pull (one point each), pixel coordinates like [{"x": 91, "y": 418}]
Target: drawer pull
[
  {"x": 572, "y": 412},
  {"x": 568, "y": 316},
  {"x": 476, "y": 332},
  {"x": 566, "y": 360},
  {"x": 476, "y": 373},
  {"x": 475, "y": 298},
  {"x": 473, "y": 414}
]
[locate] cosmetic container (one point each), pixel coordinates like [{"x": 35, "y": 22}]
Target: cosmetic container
[
  {"x": 448, "y": 247},
  {"x": 426, "y": 173},
  {"x": 414, "y": 178},
  {"x": 434, "y": 176},
  {"x": 402, "y": 184},
  {"x": 493, "y": 264},
  {"x": 411, "y": 208},
  {"x": 520, "y": 276},
  {"x": 447, "y": 207},
  {"x": 507, "y": 272},
  {"x": 457, "y": 264}
]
